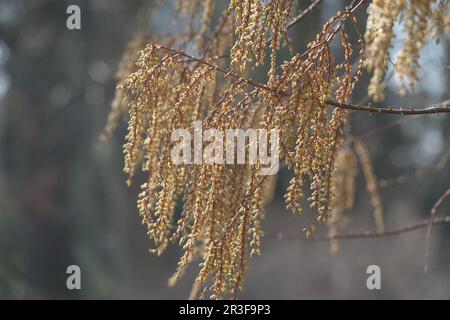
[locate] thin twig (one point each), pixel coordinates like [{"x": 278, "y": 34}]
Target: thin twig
[
  {"x": 217, "y": 68},
  {"x": 430, "y": 224},
  {"x": 367, "y": 234},
  {"x": 389, "y": 126},
  {"x": 419, "y": 173},
  {"x": 303, "y": 14}
]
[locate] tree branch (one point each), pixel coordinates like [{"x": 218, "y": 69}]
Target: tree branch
[
  {"x": 217, "y": 68},
  {"x": 369, "y": 235},
  {"x": 302, "y": 14},
  {"x": 419, "y": 173},
  {"x": 442, "y": 107}
]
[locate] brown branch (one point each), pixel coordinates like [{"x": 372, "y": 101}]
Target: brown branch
[
  {"x": 303, "y": 14},
  {"x": 217, "y": 68},
  {"x": 442, "y": 107},
  {"x": 368, "y": 234}
]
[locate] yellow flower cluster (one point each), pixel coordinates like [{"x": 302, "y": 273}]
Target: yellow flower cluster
[
  {"x": 421, "y": 21},
  {"x": 447, "y": 24},
  {"x": 215, "y": 212},
  {"x": 126, "y": 67},
  {"x": 256, "y": 20}
]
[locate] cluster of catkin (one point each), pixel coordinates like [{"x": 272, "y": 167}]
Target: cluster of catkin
[
  {"x": 215, "y": 212},
  {"x": 257, "y": 23},
  {"x": 421, "y": 21}
]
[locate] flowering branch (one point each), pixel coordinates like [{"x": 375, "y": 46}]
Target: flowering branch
[{"x": 217, "y": 68}]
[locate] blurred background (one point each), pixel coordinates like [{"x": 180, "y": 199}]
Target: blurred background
[{"x": 64, "y": 201}]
